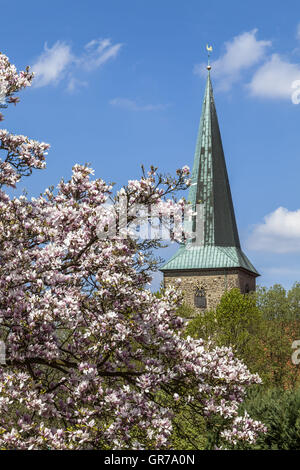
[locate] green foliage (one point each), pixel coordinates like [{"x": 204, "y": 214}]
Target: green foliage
[
  {"x": 279, "y": 410},
  {"x": 238, "y": 319},
  {"x": 293, "y": 298},
  {"x": 235, "y": 323},
  {"x": 273, "y": 302},
  {"x": 281, "y": 326},
  {"x": 188, "y": 430},
  {"x": 259, "y": 327},
  {"x": 185, "y": 311}
]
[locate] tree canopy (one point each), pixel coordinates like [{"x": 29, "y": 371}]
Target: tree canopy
[{"x": 93, "y": 358}]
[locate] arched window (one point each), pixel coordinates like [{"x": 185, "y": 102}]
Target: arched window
[{"x": 200, "y": 298}]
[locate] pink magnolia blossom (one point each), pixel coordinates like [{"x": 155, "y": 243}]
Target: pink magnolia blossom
[{"x": 91, "y": 355}]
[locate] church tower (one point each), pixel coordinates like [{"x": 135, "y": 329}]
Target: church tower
[{"x": 217, "y": 264}]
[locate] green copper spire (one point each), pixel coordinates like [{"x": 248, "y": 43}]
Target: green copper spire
[{"x": 210, "y": 187}]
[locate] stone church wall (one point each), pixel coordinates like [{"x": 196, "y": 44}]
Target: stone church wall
[{"x": 214, "y": 283}]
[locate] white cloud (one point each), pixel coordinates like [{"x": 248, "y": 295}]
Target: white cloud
[
  {"x": 101, "y": 44},
  {"x": 279, "y": 233},
  {"x": 74, "y": 84},
  {"x": 134, "y": 106},
  {"x": 241, "y": 53},
  {"x": 274, "y": 79},
  {"x": 59, "y": 61},
  {"x": 51, "y": 65},
  {"x": 98, "y": 52}
]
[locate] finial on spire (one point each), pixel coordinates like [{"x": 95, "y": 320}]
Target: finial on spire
[{"x": 209, "y": 50}]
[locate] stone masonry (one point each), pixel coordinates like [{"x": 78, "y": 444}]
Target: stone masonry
[{"x": 213, "y": 282}]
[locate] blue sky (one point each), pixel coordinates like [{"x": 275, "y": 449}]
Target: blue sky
[{"x": 120, "y": 83}]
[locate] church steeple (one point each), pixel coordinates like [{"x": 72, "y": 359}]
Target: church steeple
[
  {"x": 210, "y": 185},
  {"x": 220, "y": 253}
]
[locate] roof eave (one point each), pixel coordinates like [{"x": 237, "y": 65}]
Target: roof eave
[{"x": 232, "y": 268}]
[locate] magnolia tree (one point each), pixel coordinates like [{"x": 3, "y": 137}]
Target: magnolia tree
[{"x": 93, "y": 359}]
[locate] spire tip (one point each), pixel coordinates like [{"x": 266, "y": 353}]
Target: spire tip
[{"x": 209, "y": 50}]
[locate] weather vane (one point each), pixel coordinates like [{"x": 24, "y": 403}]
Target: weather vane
[{"x": 209, "y": 50}]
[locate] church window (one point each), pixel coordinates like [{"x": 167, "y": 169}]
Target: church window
[{"x": 200, "y": 298}]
